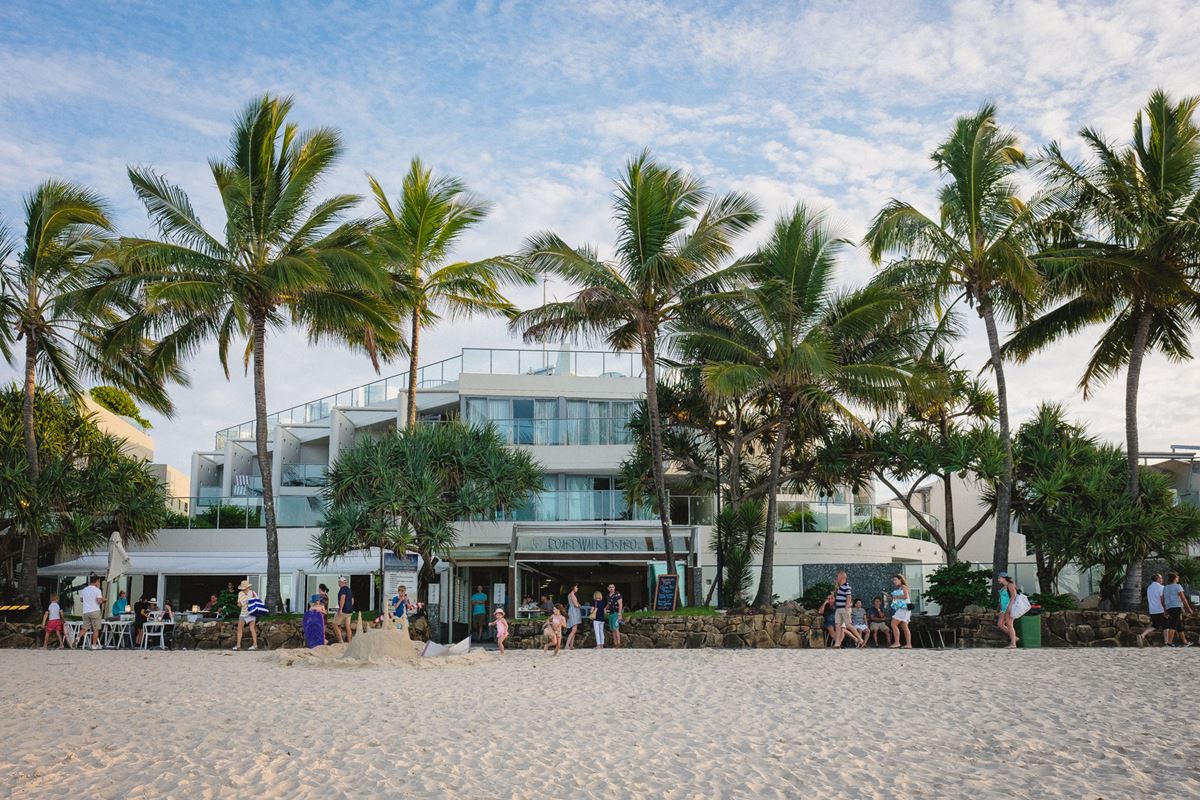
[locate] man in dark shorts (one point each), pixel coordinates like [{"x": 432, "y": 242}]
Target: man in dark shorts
[
  {"x": 345, "y": 609},
  {"x": 614, "y": 605},
  {"x": 1154, "y": 604},
  {"x": 1176, "y": 603}
]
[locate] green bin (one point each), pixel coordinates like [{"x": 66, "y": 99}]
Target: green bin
[{"x": 1029, "y": 630}]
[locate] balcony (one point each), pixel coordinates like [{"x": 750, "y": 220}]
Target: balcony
[
  {"x": 576, "y": 431},
  {"x": 304, "y": 475},
  {"x": 807, "y": 517}
]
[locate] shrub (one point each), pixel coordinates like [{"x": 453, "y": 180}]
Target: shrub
[
  {"x": 798, "y": 519},
  {"x": 1055, "y": 602},
  {"x": 958, "y": 586},
  {"x": 877, "y": 524},
  {"x": 228, "y": 604},
  {"x": 119, "y": 402},
  {"x": 815, "y": 595}
]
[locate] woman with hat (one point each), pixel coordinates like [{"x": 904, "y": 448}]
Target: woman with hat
[
  {"x": 245, "y": 593},
  {"x": 1008, "y": 593}
]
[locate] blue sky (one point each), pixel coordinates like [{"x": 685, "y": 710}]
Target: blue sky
[{"x": 537, "y": 106}]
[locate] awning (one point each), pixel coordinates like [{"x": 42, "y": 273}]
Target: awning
[{"x": 183, "y": 563}]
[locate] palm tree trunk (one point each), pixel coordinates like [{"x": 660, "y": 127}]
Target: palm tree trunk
[
  {"x": 27, "y": 588},
  {"x": 766, "y": 581},
  {"x": 1131, "y": 591},
  {"x": 413, "y": 363},
  {"x": 950, "y": 535},
  {"x": 1004, "y": 485},
  {"x": 657, "y": 468},
  {"x": 259, "y": 334}
]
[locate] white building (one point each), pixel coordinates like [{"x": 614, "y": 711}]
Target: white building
[{"x": 569, "y": 409}]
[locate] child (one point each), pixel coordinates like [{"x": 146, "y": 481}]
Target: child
[
  {"x": 554, "y": 628},
  {"x": 400, "y": 606},
  {"x": 501, "y": 625},
  {"x": 858, "y": 620},
  {"x": 52, "y": 621}
]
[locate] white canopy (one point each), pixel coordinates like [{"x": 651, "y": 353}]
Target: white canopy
[{"x": 183, "y": 563}]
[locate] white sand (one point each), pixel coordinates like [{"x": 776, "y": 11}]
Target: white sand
[{"x": 635, "y": 723}]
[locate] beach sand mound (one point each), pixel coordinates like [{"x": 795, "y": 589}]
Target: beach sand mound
[{"x": 376, "y": 646}]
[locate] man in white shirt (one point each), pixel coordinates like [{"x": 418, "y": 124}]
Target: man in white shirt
[
  {"x": 92, "y": 599},
  {"x": 1154, "y": 604}
]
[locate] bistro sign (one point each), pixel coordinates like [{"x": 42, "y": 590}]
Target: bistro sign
[{"x": 596, "y": 544}]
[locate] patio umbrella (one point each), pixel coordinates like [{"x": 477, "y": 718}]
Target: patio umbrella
[{"x": 118, "y": 559}]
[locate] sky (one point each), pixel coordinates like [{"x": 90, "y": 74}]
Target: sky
[{"x": 537, "y": 106}]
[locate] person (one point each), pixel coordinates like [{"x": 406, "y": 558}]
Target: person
[
  {"x": 168, "y": 615},
  {"x": 878, "y": 622},
  {"x": 1175, "y": 603},
  {"x": 614, "y": 607},
  {"x": 598, "y": 618},
  {"x": 1154, "y": 604},
  {"x": 574, "y": 616},
  {"x": 141, "y": 613},
  {"x": 345, "y": 608},
  {"x": 827, "y": 617},
  {"x": 501, "y": 625},
  {"x": 401, "y": 605},
  {"x": 546, "y": 606},
  {"x": 121, "y": 605},
  {"x": 844, "y": 601},
  {"x": 314, "y": 623},
  {"x": 858, "y": 620},
  {"x": 245, "y": 593},
  {"x": 212, "y": 606},
  {"x": 901, "y": 614},
  {"x": 52, "y": 621},
  {"x": 479, "y": 611},
  {"x": 1005, "y": 621},
  {"x": 323, "y": 590},
  {"x": 554, "y": 628},
  {"x": 92, "y": 599}
]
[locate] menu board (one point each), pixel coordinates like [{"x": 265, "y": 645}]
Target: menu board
[{"x": 666, "y": 592}]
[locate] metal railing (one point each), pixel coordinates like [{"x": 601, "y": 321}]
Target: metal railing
[
  {"x": 566, "y": 431},
  {"x": 474, "y": 360}
]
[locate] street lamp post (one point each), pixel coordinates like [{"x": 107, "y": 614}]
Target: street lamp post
[{"x": 719, "y": 423}]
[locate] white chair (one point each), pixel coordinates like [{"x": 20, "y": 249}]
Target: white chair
[{"x": 154, "y": 626}]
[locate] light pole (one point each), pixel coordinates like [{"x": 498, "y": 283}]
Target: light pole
[{"x": 719, "y": 423}]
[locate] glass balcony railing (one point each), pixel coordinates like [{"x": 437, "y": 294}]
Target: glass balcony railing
[
  {"x": 475, "y": 360},
  {"x": 576, "y": 431},
  {"x": 808, "y": 517},
  {"x": 306, "y": 475}
]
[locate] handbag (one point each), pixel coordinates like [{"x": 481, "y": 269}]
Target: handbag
[
  {"x": 1019, "y": 606},
  {"x": 256, "y": 607}
]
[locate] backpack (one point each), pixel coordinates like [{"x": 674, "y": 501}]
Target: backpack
[{"x": 1019, "y": 606}]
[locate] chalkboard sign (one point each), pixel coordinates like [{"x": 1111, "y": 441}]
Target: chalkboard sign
[{"x": 666, "y": 592}]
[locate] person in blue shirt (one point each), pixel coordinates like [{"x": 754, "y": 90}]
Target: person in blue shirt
[
  {"x": 1175, "y": 603},
  {"x": 121, "y": 606},
  {"x": 479, "y": 612}
]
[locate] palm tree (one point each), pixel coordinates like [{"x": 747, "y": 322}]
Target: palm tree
[
  {"x": 416, "y": 236},
  {"x": 1132, "y": 261},
  {"x": 804, "y": 349},
  {"x": 58, "y": 299},
  {"x": 671, "y": 237},
  {"x": 283, "y": 257},
  {"x": 976, "y": 250}
]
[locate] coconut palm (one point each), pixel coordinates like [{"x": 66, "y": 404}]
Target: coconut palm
[
  {"x": 806, "y": 350},
  {"x": 1133, "y": 262},
  {"x": 671, "y": 237},
  {"x": 975, "y": 250},
  {"x": 57, "y": 300},
  {"x": 283, "y": 257},
  {"x": 417, "y": 235}
]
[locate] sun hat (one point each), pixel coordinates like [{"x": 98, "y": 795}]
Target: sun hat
[
  {"x": 244, "y": 585},
  {"x": 154, "y": 600},
  {"x": 1003, "y": 575},
  {"x": 499, "y": 612}
]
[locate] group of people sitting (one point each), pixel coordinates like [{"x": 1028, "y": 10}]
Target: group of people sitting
[
  {"x": 144, "y": 610},
  {"x": 845, "y": 617}
]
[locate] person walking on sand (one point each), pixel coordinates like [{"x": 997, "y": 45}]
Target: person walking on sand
[
  {"x": 479, "y": 612},
  {"x": 901, "y": 613},
  {"x": 842, "y": 618},
  {"x": 501, "y": 625},
  {"x": 1175, "y": 603},
  {"x": 574, "y": 616},
  {"x": 1005, "y": 621},
  {"x": 245, "y": 593},
  {"x": 93, "y": 614},
  {"x": 614, "y": 607},
  {"x": 52, "y": 621},
  {"x": 554, "y": 628},
  {"x": 1154, "y": 604},
  {"x": 598, "y": 618},
  {"x": 345, "y": 609}
]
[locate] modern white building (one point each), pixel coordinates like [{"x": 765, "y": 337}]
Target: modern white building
[{"x": 569, "y": 409}]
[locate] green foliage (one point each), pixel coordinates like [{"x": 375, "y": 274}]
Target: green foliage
[
  {"x": 86, "y": 486},
  {"x": 227, "y": 516},
  {"x": 741, "y": 526},
  {"x": 119, "y": 402},
  {"x": 407, "y": 490},
  {"x": 1054, "y": 602},
  {"x": 686, "y": 611},
  {"x": 227, "y": 603},
  {"x": 957, "y": 586},
  {"x": 801, "y": 518},
  {"x": 877, "y": 524},
  {"x": 815, "y": 595}
]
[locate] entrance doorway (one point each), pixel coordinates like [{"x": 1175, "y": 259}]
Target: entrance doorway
[{"x": 555, "y": 579}]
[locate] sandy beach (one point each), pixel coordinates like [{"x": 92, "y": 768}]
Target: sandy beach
[{"x": 635, "y": 723}]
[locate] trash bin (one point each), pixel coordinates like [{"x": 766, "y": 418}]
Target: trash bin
[{"x": 1029, "y": 630}]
